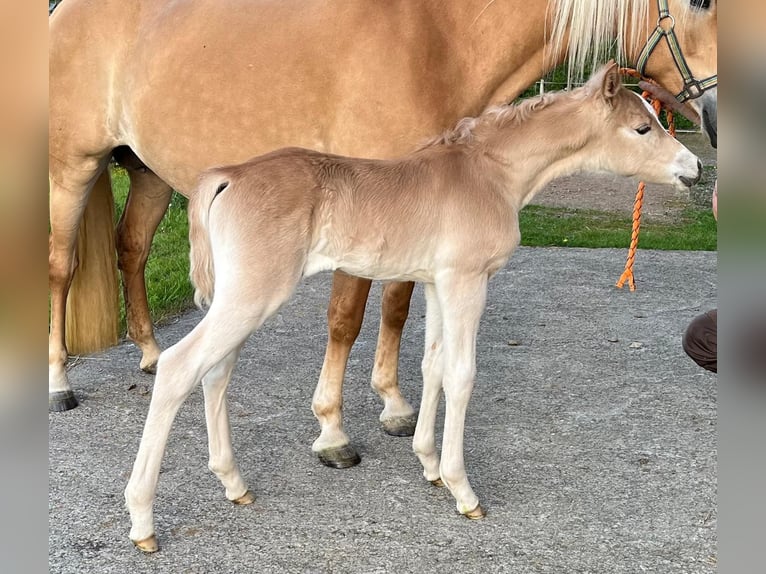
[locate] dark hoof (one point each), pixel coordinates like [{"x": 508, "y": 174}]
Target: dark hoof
[
  {"x": 341, "y": 457},
  {"x": 150, "y": 369},
  {"x": 400, "y": 426},
  {"x": 61, "y": 401}
]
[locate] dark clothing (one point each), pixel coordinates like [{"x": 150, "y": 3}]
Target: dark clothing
[{"x": 701, "y": 340}]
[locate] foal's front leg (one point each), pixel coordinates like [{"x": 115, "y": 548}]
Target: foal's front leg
[
  {"x": 462, "y": 301},
  {"x": 424, "y": 441}
]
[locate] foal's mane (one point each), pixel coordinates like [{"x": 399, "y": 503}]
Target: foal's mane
[
  {"x": 592, "y": 25},
  {"x": 466, "y": 131}
]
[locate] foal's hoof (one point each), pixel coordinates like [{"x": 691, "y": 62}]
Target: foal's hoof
[
  {"x": 245, "y": 499},
  {"x": 437, "y": 482},
  {"x": 400, "y": 426},
  {"x": 147, "y": 545},
  {"x": 341, "y": 457},
  {"x": 61, "y": 401},
  {"x": 475, "y": 514}
]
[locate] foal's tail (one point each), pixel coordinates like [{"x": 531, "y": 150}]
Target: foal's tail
[{"x": 201, "y": 254}]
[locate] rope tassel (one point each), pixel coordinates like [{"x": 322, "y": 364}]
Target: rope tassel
[{"x": 627, "y": 274}]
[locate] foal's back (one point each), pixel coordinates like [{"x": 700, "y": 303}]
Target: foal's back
[{"x": 383, "y": 219}]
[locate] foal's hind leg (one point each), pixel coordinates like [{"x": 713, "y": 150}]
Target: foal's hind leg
[
  {"x": 211, "y": 347},
  {"x": 398, "y": 417},
  {"x": 147, "y": 202},
  {"x": 344, "y": 319},
  {"x": 222, "y": 462}
]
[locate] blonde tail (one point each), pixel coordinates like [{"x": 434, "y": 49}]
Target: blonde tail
[
  {"x": 201, "y": 255},
  {"x": 92, "y": 312}
]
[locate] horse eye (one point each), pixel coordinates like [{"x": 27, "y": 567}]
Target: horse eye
[{"x": 644, "y": 129}]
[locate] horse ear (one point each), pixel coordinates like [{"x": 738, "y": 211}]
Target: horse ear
[
  {"x": 606, "y": 81},
  {"x": 612, "y": 81}
]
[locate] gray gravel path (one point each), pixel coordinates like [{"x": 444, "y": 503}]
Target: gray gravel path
[{"x": 591, "y": 441}]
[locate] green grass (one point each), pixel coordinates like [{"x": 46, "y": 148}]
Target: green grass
[
  {"x": 167, "y": 271},
  {"x": 556, "y": 226}
]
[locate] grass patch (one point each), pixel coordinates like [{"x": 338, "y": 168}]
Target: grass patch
[
  {"x": 167, "y": 271},
  {"x": 556, "y": 226}
]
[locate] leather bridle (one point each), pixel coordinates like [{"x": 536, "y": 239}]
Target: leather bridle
[{"x": 693, "y": 88}]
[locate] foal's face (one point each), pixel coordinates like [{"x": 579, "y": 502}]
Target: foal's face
[{"x": 636, "y": 144}]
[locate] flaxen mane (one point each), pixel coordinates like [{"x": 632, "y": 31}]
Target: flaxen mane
[
  {"x": 591, "y": 25},
  {"x": 588, "y": 26}
]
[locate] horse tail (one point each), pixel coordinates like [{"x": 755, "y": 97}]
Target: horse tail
[
  {"x": 92, "y": 315},
  {"x": 201, "y": 270}
]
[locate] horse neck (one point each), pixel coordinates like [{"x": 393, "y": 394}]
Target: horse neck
[
  {"x": 548, "y": 144},
  {"x": 496, "y": 53}
]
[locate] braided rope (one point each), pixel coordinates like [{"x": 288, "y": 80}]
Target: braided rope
[{"x": 627, "y": 274}]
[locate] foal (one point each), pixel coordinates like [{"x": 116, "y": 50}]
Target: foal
[{"x": 445, "y": 215}]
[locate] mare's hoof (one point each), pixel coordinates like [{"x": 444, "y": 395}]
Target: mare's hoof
[
  {"x": 245, "y": 499},
  {"x": 151, "y": 368},
  {"x": 438, "y": 483},
  {"x": 61, "y": 401},
  {"x": 400, "y": 426},
  {"x": 341, "y": 457},
  {"x": 147, "y": 545},
  {"x": 476, "y": 514}
]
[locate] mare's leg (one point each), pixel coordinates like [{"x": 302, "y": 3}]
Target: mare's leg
[
  {"x": 344, "y": 319},
  {"x": 147, "y": 202},
  {"x": 70, "y": 186},
  {"x": 222, "y": 462},
  {"x": 462, "y": 301},
  {"x": 398, "y": 417},
  {"x": 424, "y": 442},
  {"x": 212, "y": 345}
]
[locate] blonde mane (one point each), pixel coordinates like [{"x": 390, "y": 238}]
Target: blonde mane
[{"x": 591, "y": 31}]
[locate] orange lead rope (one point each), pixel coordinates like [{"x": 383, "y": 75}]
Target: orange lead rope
[{"x": 627, "y": 275}]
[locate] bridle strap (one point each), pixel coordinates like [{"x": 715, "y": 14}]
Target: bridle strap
[{"x": 665, "y": 28}]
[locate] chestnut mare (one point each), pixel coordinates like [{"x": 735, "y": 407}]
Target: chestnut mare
[
  {"x": 172, "y": 88},
  {"x": 445, "y": 215}
]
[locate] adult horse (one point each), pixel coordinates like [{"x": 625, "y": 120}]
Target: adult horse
[{"x": 172, "y": 88}]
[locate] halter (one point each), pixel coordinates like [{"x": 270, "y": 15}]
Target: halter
[{"x": 666, "y": 24}]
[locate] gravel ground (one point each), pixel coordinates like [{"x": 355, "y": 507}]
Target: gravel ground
[{"x": 590, "y": 440}]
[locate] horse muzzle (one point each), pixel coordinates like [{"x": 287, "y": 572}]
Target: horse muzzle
[
  {"x": 690, "y": 181},
  {"x": 707, "y": 106}
]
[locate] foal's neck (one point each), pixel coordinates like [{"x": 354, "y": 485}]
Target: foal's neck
[{"x": 549, "y": 144}]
